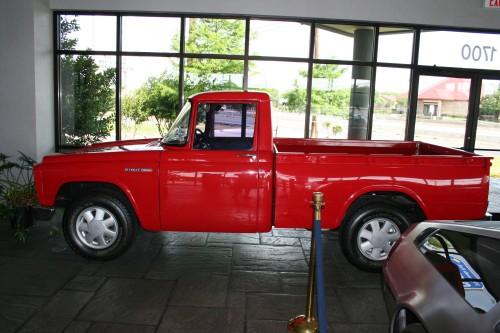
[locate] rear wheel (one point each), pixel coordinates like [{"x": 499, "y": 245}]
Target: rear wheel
[
  {"x": 98, "y": 226},
  {"x": 369, "y": 233}
]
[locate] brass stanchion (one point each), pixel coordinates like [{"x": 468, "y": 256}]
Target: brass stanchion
[{"x": 307, "y": 323}]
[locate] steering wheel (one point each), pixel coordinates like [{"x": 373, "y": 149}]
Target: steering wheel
[{"x": 199, "y": 140}]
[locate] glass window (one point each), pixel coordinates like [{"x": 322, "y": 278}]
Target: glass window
[
  {"x": 279, "y": 39},
  {"x": 391, "y": 103},
  {"x": 151, "y": 34},
  {"x": 87, "y": 32},
  {"x": 395, "y": 45},
  {"x": 87, "y": 99},
  {"x": 488, "y": 126},
  {"x": 215, "y": 36},
  {"x": 150, "y": 96},
  {"x": 343, "y": 42},
  {"x": 459, "y": 49},
  {"x": 470, "y": 263},
  {"x": 442, "y": 109},
  {"x": 286, "y": 83},
  {"x": 212, "y": 74},
  {"x": 225, "y": 126},
  {"x": 331, "y": 89},
  {"x": 340, "y": 101}
]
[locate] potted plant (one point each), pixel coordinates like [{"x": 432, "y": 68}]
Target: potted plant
[{"x": 17, "y": 193}]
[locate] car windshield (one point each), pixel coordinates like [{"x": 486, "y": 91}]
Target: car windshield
[{"x": 178, "y": 133}]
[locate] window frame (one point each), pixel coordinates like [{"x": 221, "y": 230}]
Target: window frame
[{"x": 246, "y": 57}]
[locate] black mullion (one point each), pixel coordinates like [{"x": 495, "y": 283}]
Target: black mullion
[
  {"x": 411, "y": 116},
  {"x": 282, "y": 59},
  {"x": 87, "y": 52},
  {"x": 181, "y": 61},
  {"x": 473, "y": 114},
  {"x": 214, "y": 56},
  {"x": 57, "y": 80},
  {"x": 149, "y": 54},
  {"x": 310, "y": 68},
  {"x": 247, "y": 52},
  {"x": 373, "y": 77},
  {"x": 279, "y": 18},
  {"x": 118, "y": 83}
]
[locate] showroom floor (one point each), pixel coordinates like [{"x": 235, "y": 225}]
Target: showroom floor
[{"x": 182, "y": 282}]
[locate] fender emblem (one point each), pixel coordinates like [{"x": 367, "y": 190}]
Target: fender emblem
[{"x": 138, "y": 170}]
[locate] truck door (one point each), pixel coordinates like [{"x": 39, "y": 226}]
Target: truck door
[{"x": 212, "y": 185}]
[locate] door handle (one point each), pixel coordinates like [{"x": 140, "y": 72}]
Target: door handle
[{"x": 252, "y": 156}]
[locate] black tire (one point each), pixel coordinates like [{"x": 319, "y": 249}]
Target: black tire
[
  {"x": 414, "y": 328},
  {"x": 353, "y": 224},
  {"x": 116, "y": 211}
]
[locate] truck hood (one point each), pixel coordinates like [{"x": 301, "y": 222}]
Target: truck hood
[
  {"x": 124, "y": 145},
  {"x": 103, "y": 150}
]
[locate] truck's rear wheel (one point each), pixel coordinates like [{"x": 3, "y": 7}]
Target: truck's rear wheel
[
  {"x": 98, "y": 226},
  {"x": 369, "y": 233}
]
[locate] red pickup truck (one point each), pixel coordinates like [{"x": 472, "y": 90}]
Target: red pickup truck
[{"x": 220, "y": 170}]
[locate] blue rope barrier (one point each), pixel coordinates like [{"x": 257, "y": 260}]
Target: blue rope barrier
[{"x": 320, "y": 279}]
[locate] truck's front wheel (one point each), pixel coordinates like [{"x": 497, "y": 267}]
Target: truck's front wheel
[
  {"x": 370, "y": 232},
  {"x": 98, "y": 226}
]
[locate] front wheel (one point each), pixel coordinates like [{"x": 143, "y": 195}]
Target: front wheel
[
  {"x": 98, "y": 226},
  {"x": 370, "y": 232}
]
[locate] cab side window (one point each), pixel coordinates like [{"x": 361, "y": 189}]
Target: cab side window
[{"x": 223, "y": 126}]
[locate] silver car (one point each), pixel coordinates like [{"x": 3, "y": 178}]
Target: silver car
[{"x": 444, "y": 277}]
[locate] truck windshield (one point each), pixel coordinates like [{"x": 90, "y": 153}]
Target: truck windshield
[{"x": 178, "y": 133}]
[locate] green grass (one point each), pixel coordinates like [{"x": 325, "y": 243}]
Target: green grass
[{"x": 495, "y": 167}]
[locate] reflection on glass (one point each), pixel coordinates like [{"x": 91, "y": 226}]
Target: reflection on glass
[
  {"x": 212, "y": 74},
  {"x": 279, "y": 39},
  {"x": 87, "y": 99},
  {"x": 391, "y": 103},
  {"x": 87, "y": 32},
  {"x": 395, "y": 45},
  {"x": 488, "y": 126},
  {"x": 215, "y": 36},
  {"x": 150, "y": 34},
  {"x": 150, "y": 99},
  {"x": 343, "y": 42},
  {"x": 286, "y": 83},
  {"x": 459, "y": 49},
  {"x": 442, "y": 110}
]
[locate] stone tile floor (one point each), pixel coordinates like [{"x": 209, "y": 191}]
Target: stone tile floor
[
  {"x": 182, "y": 282},
  {"x": 179, "y": 282}
]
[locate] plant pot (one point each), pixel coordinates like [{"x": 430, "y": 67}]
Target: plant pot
[{"x": 23, "y": 218}]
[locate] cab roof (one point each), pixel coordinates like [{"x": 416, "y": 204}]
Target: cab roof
[{"x": 230, "y": 95}]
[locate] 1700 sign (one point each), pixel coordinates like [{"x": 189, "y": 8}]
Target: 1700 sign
[{"x": 478, "y": 53}]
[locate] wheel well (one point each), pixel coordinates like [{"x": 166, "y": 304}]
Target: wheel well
[
  {"x": 411, "y": 207},
  {"x": 71, "y": 191}
]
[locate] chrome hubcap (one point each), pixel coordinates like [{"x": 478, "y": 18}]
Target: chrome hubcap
[
  {"x": 376, "y": 238},
  {"x": 97, "y": 228}
]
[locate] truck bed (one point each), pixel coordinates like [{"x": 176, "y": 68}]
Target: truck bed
[
  {"x": 358, "y": 147},
  {"x": 453, "y": 181}
]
